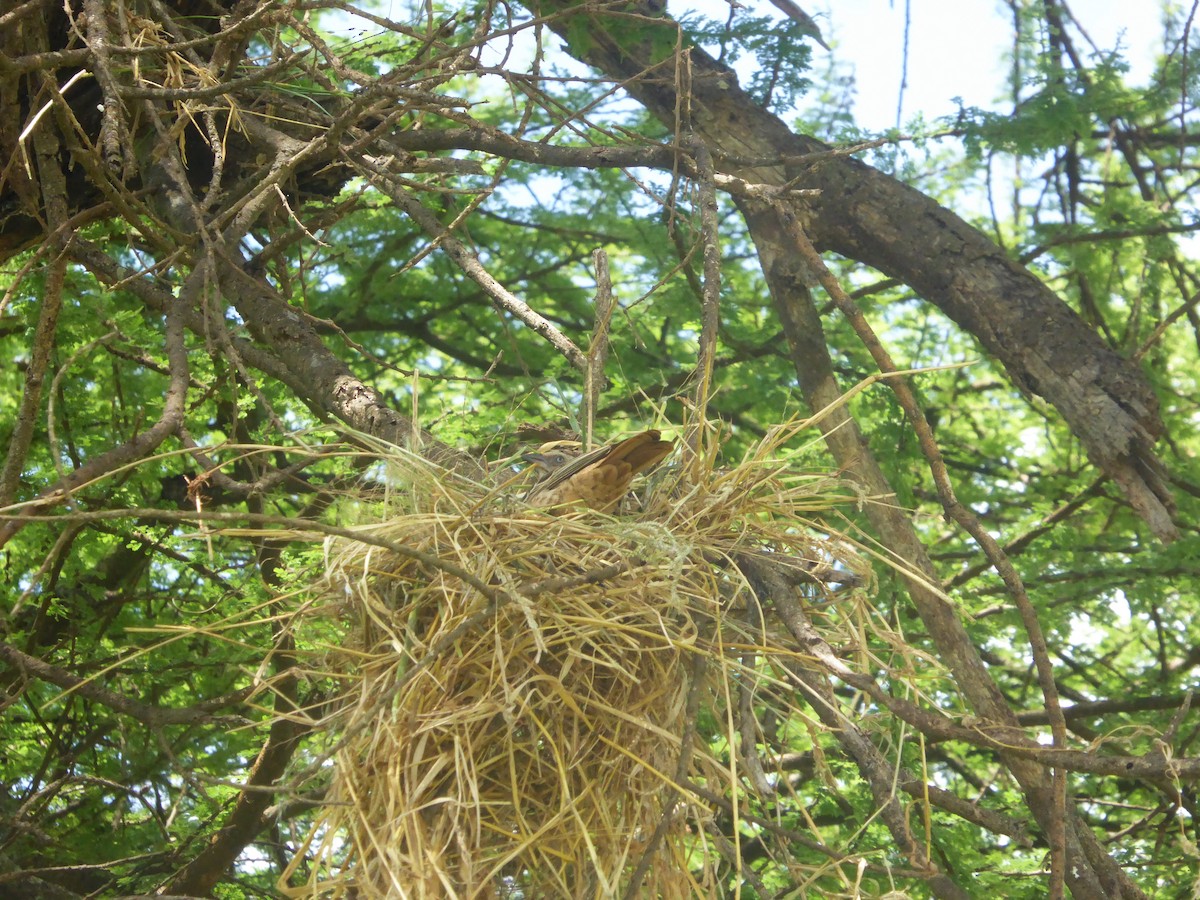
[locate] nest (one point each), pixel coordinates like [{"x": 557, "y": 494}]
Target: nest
[{"x": 540, "y": 705}]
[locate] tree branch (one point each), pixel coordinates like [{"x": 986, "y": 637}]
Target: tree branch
[
  {"x": 466, "y": 260},
  {"x": 154, "y": 716},
  {"x": 859, "y": 212}
]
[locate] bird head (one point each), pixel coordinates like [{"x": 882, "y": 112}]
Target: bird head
[{"x": 553, "y": 455}]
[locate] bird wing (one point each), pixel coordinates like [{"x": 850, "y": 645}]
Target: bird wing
[
  {"x": 566, "y": 470},
  {"x": 629, "y": 457},
  {"x": 641, "y": 451}
]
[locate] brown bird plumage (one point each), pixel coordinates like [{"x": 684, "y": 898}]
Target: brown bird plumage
[{"x": 598, "y": 479}]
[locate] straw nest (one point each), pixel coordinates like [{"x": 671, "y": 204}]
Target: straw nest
[{"x": 543, "y": 705}]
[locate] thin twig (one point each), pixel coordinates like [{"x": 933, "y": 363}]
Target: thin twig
[
  {"x": 597, "y": 354},
  {"x": 154, "y": 716},
  {"x": 466, "y": 260},
  {"x": 710, "y": 315}
]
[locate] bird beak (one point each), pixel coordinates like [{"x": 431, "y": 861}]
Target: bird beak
[{"x": 535, "y": 459}]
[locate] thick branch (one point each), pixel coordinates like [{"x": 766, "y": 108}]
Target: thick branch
[
  {"x": 294, "y": 353},
  {"x": 154, "y": 716},
  {"x": 200, "y": 875},
  {"x": 1046, "y": 348},
  {"x": 788, "y": 277}
]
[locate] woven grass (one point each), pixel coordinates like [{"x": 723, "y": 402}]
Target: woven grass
[{"x": 523, "y": 689}]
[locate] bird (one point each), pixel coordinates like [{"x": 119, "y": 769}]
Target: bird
[{"x": 598, "y": 479}]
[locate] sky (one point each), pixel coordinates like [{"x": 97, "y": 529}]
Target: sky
[{"x": 956, "y": 48}]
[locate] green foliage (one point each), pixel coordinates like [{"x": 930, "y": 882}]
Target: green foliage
[
  {"x": 625, "y": 27},
  {"x": 172, "y": 612},
  {"x": 777, "y": 55}
]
